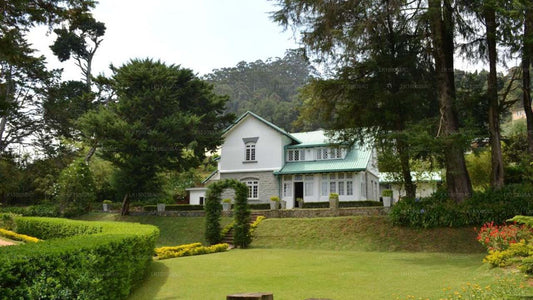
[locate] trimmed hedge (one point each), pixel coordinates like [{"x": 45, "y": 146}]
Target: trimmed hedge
[
  {"x": 78, "y": 259},
  {"x": 483, "y": 207},
  {"x": 188, "y": 250},
  {"x": 343, "y": 204},
  {"x": 175, "y": 207},
  {"x": 259, "y": 206}
]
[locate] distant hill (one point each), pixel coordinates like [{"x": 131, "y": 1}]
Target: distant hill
[{"x": 268, "y": 88}]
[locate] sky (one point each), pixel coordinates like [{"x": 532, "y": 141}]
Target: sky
[{"x": 201, "y": 35}]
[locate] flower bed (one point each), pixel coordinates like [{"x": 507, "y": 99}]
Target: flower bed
[{"x": 188, "y": 250}]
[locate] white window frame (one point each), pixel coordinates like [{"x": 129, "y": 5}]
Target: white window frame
[
  {"x": 249, "y": 151},
  {"x": 253, "y": 187}
]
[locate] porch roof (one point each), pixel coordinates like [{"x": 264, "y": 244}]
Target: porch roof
[{"x": 356, "y": 160}]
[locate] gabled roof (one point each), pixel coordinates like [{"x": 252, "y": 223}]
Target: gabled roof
[
  {"x": 356, "y": 160},
  {"x": 249, "y": 113}
]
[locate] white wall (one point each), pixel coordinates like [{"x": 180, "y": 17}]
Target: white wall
[
  {"x": 423, "y": 189},
  {"x": 195, "y": 194},
  {"x": 268, "y": 150}
]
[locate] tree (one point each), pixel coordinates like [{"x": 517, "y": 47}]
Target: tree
[
  {"x": 383, "y": 80},
  {"x": 440, "y": 15},
  {"x": 80, "y": 41},
  {"x": 268, "y": 88},
  {"x": 163, "y": 118},
  {"x": 23, "y": 75},
  {"x": 76, "y": 190}
]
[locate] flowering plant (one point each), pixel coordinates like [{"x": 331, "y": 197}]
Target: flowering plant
[{"x": 499, "y": 237}]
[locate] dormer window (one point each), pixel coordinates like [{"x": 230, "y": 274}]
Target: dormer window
[{"x": 249, "y": 149}]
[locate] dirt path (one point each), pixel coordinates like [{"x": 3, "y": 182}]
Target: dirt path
[{"x": 5, "y": 243}]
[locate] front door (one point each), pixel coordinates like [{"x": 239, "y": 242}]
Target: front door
[{"x": 298, "y": 193}]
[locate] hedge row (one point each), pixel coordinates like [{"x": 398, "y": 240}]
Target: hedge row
[
  {"x": 189, "y": 250},
  {"x": 17, "y": 236},
  {"x": 41, "y": 210},
  {"x": 439, "y": 211},
  {"x": 343, "y": 204},
  {"x": 78, "y": 259},
  {"x": 175, "y": 207}
]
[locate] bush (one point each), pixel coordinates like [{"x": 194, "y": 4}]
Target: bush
[
  {"x": 17, "y": 237},
  {"x": 76, "y": 189},
  {"x": 189, "y": 250},
  {"x": 103, "y": 265},
  {"x": 494, "y": 237},
  {"x": 175, "y": 207},
  {"x": 481, "y": 208},
  {"x": 259, "y": 206},
  {"x": 343, "y": 204},
  {"x": 40, "y": 210}
]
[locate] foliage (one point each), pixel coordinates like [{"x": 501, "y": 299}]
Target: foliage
[
  {"x": 343, "y": 204},
  {"x": 479, "y": 168},
  {"x": 38, "y": 210},
  {"x": 482, "y": 207},
  {"x": 188, "y": 250},
  {"x": 274, "y": 199},
  {"x": 506, "y": 287},
  {"x": 386, "y": 193},
  {"x": 18, "y": 237},
  {"x": 268, "y": 88},
  {"x": 163, "y": 118},
  {"x": 76, "y": 189},
  {"x": 241, "y": 228},
  {"x": 514, "y": 254},
  {"x": 497, "y": 238},
  {"x": 23, "y": 73},
  {"x": 255, "y": 223},
  {"x": 106, "y": 264}
]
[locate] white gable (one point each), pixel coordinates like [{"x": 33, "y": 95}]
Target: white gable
[{"x": 269, "y": 147}]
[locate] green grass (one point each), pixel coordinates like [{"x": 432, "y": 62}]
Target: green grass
[
  {"x": 302, "y": 274},
  {"x": 174, "y": 230},
  {"x": 374, "y": 233}
]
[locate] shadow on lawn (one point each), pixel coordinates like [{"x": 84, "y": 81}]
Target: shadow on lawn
[{"x": 156, "y": 277}]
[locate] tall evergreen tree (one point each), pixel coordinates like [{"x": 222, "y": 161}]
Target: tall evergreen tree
[{"x": 163, "y": 117}]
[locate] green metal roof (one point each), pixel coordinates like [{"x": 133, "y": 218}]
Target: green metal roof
[
  {"x": 356, "y": 160},
  {"x": 249, "y": 113}
]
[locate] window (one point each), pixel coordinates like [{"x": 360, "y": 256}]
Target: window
[
  {"x": 341, "y": 187},
  {"x": 333, "y": 187},
  {"x": 295, "y": 155},
  {"x": 253, "y": 187},
  {"x": 308, "y": 185},
  {"x": 250, "y": 152},
  {"x": 287, "y": 189},
  {"x": 349, "y": 188},
  {"x": 324, "y": 187},
  {"x": 330, "y": 153}
]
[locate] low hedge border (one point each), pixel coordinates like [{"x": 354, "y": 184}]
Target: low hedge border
[
  {"x": 78, "y": 259},
  {"x": 343, "y": 204},
  {"x": 188, "y": 250},
  {"x": 175, "y": 207},
  {"x": 18, "y": 237}
]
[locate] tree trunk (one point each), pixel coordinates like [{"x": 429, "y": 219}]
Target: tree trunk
[
  {"x": 496, "y": 176},
  {"x": 125, "y": 205},
  {"x": 442, "y": 31},
  {"x": 90, "y": 153},
  {"x": 405, "y": 164},
  {"x": 526, "y": 79}
]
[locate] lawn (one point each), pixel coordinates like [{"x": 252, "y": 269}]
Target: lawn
[
  {"x": 302, "y": 274},
  {"x": 174, "y": 230},
  {"x": 336, "y": 258}
]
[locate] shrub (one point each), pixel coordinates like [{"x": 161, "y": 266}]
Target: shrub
[
  {"x": 494, "y": 237},
  {"x": 76, "y": 189},
  {"x": 274, "y": 199},
  {"x": 17, "y": 237},
  {"x": 175, "y": 207},
  {"x": 103, "y": 265},
  {"x": 259, "y": 206},
  {"x": 188, "y": 250},
  {"x": 482, "y": 207},
  {"x": 39, "y": 210}
]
